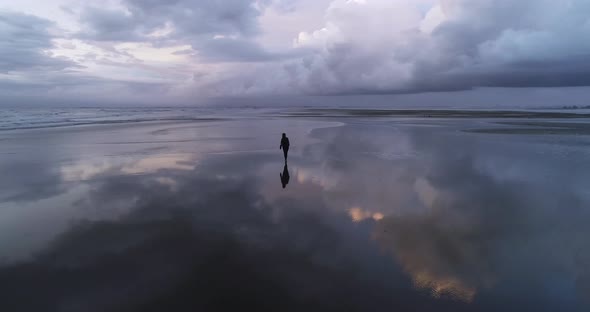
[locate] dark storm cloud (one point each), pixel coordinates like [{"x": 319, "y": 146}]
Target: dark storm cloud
[
  {"x": 191, "y": 17},
  {"x": 239, "y": 50},
  {"x": 72, "y": 88},
  {"x": 25, "y": 39},
  {"x": 445, "y": 45},
  {"x": 109, "y": 25},
  {"x": 470, "y": 44},
  {"x": 572, "y": 72},
  {"x": 459, "y": 45},
  {"x": 30, "y": 67},
  {"x": 219, "y": 30}
]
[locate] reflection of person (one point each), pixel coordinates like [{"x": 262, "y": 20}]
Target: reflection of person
[
  {"x": 285, "y": 176},
  {"x": 285, "y": 145}
]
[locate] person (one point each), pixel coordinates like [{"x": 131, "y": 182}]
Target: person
[
  {"x": 285, "y": 145},
  {"x": 285, "y": 177}
]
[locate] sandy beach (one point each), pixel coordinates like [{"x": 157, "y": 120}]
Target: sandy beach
[{"x": 379, "y": 212}]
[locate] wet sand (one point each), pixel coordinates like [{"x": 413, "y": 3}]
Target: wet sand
[
  {"x": 438, "y": 113},
  {"x": 539, "y": 127},
  {"x": 379, "y": 214}
]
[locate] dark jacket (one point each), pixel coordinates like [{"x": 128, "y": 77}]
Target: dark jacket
[{"x": 285, "y": 143}]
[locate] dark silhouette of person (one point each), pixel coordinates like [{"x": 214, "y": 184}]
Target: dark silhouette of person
[
  {"x": 285, "y": 176},
  {"x": 285, "y": 145}
]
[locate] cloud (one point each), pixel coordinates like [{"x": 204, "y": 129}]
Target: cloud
[
  {"x": 208, "y": 243},
  {"x": 379, "y": 46},
  {"x": 135, "y": 20},
  {"x": 218, "y": 31},
  {"x": 108, "y": 25},
  {"x": 26, "y": 40},
  {"x": 223, "y": 49},
  {"x": 275, "y": 47},
  {"x": 30, "y": 70},
  {"x": 470, "y": 229}
]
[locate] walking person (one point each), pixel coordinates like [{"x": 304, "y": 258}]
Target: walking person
[{"x": 285, "y": 146}]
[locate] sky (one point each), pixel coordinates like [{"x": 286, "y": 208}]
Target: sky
[{"x": 413, "y": 52}]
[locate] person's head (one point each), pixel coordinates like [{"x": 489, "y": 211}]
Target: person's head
[{"x": 284, "y": 135}]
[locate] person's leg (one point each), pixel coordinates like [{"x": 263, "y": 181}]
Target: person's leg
[{"x": 285, "y": 152}]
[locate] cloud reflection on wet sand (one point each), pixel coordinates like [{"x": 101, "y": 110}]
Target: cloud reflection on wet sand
[
  {"x": 210, "y": 244},
  {"x": 435, "y": 230}
]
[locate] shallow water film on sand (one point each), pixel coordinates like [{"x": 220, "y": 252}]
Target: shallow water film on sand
[{"x": 382, "y": 211}]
